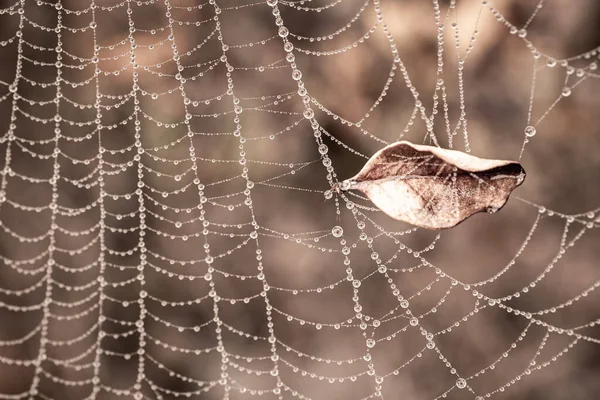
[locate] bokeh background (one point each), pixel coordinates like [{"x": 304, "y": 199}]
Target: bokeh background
[{"x": 90, "y": 245}]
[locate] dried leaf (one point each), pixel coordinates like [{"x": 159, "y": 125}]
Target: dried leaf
[{"x": 434, "y": 188}]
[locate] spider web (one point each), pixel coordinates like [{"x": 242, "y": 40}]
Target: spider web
[{"x": 169, "y": 228}]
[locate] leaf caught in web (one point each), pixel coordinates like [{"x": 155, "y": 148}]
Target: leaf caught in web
[{"x": 434, "y": 188}]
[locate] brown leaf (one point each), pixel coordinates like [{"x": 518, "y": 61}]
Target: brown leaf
[{"x": 434, "y": 188}]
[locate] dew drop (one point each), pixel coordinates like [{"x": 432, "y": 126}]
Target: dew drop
[
  {"x": 283, "y": 31},
  {"x": 530, "y": 131},
  {"x": 337, "y": 231},
  {"x": 309, "y": 113}
]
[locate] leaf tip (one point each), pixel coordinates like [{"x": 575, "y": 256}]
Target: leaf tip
[{"x": 343, "y": 186}]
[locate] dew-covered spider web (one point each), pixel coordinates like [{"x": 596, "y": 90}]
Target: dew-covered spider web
[{"x": 169, "y": 228}]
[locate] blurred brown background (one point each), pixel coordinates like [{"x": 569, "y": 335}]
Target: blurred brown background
[{"x": 562, "y": 162}]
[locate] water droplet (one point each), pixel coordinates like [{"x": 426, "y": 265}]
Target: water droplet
[
  {"x": 296, "y": 75},
  {"x": 283, "y": 31},
  {"x": 566, "y": 92},
  {"x": 337, "y": 231},
  {"x": 530, "y": 131},
  {"x": 370, "y": 343},
  {"x": 461, "y": 383}
]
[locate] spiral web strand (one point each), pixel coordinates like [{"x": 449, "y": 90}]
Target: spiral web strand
[{"x": 169, "y": 228}]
